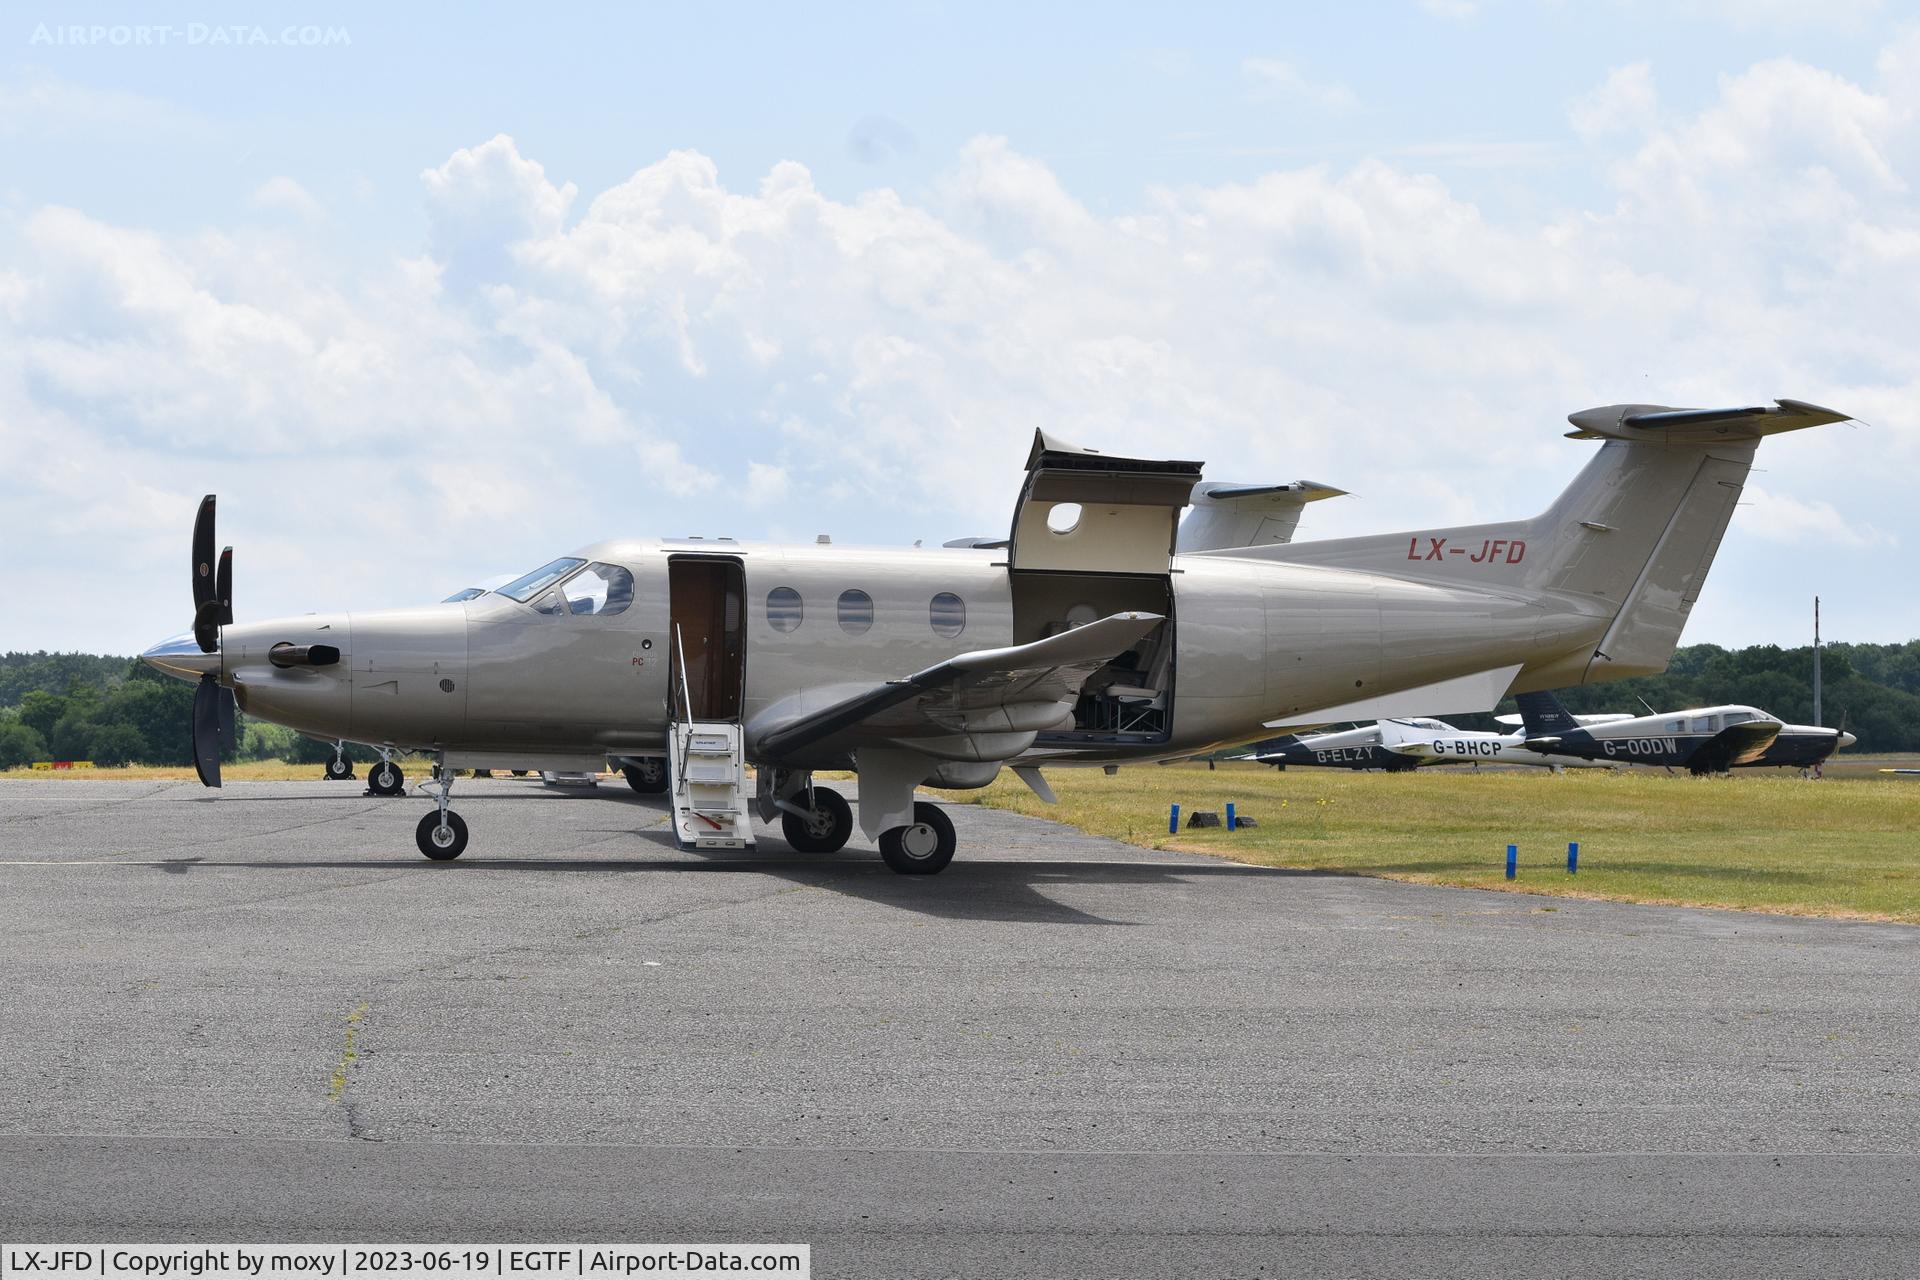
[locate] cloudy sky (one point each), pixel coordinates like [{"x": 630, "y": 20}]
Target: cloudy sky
[{"x": 427, "y": 296}]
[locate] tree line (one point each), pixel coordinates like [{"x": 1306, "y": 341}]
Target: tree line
[
  {"x": 115, "y": 711},
  {"x": 112, "y": 711}
]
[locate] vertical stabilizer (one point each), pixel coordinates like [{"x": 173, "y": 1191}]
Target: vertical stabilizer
[
  {"x": 1544, "y": 715},
  {"x": 1626, "y": 545}
]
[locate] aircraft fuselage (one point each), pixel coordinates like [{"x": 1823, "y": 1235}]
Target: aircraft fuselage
[{"x": 1253, "y": 642}]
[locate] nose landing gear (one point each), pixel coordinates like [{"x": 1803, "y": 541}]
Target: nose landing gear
[
  {"x": 385, "y": 778},
  {"x": 442, "y": 834},
  {"x": 340, "y": 769}
]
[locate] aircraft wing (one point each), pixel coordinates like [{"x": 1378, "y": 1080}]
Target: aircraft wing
[
  {"x": 993, "y": 697},
  {"x": 1737, "y": 744}
]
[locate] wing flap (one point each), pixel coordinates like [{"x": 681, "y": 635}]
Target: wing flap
[{"x": 1016, "y": 690}]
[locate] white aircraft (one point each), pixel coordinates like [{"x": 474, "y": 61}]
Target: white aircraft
[
  {"x": 1086, "y": 640},
  {"x": 1408, "y": 743}
]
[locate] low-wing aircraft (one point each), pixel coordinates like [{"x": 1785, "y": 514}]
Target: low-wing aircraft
[
  {"x": 1085, "y": 640},
  {"x": 1698, "y": 739},
  {"x": 1409, "y": 743}
]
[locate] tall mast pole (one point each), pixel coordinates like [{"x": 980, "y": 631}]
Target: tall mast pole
[{"x": 1816, "y": 661}]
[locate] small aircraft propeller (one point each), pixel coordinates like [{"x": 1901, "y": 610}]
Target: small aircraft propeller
[{"x": 213, "y": 708}]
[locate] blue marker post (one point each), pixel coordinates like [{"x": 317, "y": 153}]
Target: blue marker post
[
  {"x": 1513, "y": 860},
  {"x": 1573, "y": 856},
  {"x": 1173, "y": 821},
  {"x": 1229, "y": 815}
]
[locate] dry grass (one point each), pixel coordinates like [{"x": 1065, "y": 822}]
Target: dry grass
[
  {"x": 240, "y": 771},
  {"x": 1757, "y": 841}
]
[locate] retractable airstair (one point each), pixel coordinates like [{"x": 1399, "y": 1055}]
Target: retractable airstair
[
  {"x": 707, "y": 776},
  {"x": 708, "y": 770}
]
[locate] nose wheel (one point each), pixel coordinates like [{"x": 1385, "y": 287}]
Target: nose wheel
[
  {"x": 442, "y": 834},
  {"x": 386, "y": 778},
  {"x": 339, "y": 769},
  {"x": 922, "y": 849}
]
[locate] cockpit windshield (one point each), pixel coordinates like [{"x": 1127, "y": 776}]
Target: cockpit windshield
[
  {"x": 471, "y": 593},
  {"x": 526, "y": 588}
]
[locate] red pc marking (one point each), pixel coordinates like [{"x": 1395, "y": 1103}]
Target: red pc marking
[{"x": 1434, "y": 547}]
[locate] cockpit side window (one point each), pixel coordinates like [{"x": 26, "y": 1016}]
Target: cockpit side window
[
  {"x": 526, "y": 588},
  {"x": 600, "y": 589}
]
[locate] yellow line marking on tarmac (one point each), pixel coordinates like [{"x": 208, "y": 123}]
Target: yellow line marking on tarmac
[{"x": 338, "y": 1086}]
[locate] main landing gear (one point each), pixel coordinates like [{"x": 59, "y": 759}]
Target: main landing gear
[
  {"x": 645, "y": 774},
  {"x": 442, "y": 834},
  {"x": 923, "y": 848},
  {"x": 817, "y": 820}
]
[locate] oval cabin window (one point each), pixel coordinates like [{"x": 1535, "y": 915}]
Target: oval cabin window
[
  {"x": 856, "y": 612},
  {"x": 784, "y": 609},
  {"x": 948, "y": 615}
]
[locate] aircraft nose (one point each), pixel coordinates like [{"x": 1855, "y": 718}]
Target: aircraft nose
[
  {"x": 1847, "y": 740},
  {"x": 179, "y": 656}
]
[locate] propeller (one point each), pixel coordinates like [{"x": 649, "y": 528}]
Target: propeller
[{"x": 213, "y": 707}]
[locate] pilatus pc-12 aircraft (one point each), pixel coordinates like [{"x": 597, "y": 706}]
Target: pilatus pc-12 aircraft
[
  {"x": 1088, "y": 639},
  {"x": 1698, "y": 739}
]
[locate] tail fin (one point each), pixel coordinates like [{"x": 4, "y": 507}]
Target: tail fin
[
  {"x": 1544, "y": 715},
  {"x": 1628, "y": 543}
]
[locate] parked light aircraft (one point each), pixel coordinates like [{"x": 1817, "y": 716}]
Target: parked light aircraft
[
  {"x": 1086, "y": 640},
  {"x": 1406, "y": 743},
  {"x": 1698, "y": 739}
]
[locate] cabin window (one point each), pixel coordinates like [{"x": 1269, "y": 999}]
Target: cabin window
[
  {"x": 602, "y": 589},
  {"x": 1676, "y": 726},
  {"x": 948, "y": 615},
  {"x": 784, "y": 609},
  {"x": 856, "y": 612}
]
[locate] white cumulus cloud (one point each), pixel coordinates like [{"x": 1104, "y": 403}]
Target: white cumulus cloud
[{"x": 538, "y": 374}]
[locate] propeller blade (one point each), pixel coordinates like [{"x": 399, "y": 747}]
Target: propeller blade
[
  {"x": 206, "y": 731},
  {"x": 229, "y": 740},
  {"x": 223, "y": 586},
  {"x": 203, "y": 583}
]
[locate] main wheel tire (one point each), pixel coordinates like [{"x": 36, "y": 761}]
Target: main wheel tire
[
  {"x": 922, "y": 849},
  {"x": 386, "y": 779},
  {"x": 825, "y": 828},
  {"x": 340, "y": 770},
  {"x": 648, "y": 777},
  {"x": 441, "y": 843}
]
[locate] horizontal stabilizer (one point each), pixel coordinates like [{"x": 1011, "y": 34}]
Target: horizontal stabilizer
[
  {"x": 1658, "y": 421},
  {"x": 1480, "y": 691}
]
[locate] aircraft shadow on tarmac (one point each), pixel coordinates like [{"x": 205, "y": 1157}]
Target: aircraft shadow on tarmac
[{"x": 979, "y": 889}]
